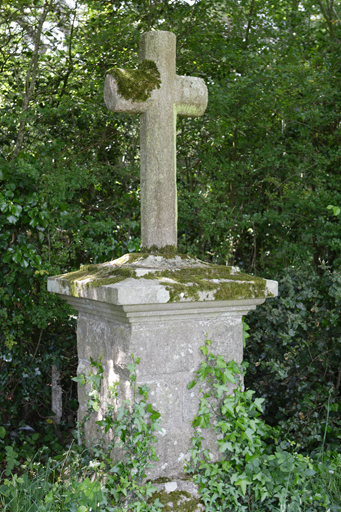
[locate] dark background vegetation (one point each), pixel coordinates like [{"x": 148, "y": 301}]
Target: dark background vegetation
[{"x": 255, "y": 177}]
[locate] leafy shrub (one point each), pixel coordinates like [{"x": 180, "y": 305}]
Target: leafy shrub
[
  {"x": 82, "y": 480},
  {"x": 131, "y": 428},
  {"x": 36, "y": 328},
  {"x": 45, "y": 230},
  {"x": 255, "y": 471},
  {"x": 294, "y": 353}
]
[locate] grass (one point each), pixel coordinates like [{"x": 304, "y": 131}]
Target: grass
[
  {"x": 58, "y": 485},
  {"x": 68, "y": 485}
]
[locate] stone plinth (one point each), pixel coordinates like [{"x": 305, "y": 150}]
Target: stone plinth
[{"x": 160, "y": 309}]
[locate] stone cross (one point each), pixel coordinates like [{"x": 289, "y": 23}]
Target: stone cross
[{"x": 178, "y": 95}]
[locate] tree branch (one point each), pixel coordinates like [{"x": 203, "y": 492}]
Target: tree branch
[
  {"x": 31, "y": 76},
  {"x": 246, "y": 41},
  {"x": 70, "y": 66},
  {"x": 326, "y": 12}
]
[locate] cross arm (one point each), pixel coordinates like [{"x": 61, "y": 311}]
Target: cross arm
[
  {"x": 117, "y": 103},
  {"x": 191, "y": 96}
]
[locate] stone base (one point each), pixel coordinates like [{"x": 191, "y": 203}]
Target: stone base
[
  {"x": 157, "y": 314},
  {"x": 169, "y": 352}
]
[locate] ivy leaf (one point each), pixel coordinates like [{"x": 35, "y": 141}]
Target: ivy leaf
[
  {"x": 204, "y": 350},
  {"x": 16, "y": 209},
  {"x": 220, "y": 362},
  {"x": 191, "y": 384},
  {"x": 17, "y": 257},
  {"x": 226, "y": 446},
  {"x": 80, "y": 379},
  {"x": 258, "y": 403},
  {"x": 248, "y": 434},
  {"x": 243, "y": 483},
  {"x": 12, "y": 219},
  {"x": 228, "y": 406},
  {"x": 229, "y": 376},
  {"x": 94, "y": 405},
  {"x": 197, "y": 421}
]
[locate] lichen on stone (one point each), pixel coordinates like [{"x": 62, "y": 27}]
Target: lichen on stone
[{"x": 137, "y": 84}]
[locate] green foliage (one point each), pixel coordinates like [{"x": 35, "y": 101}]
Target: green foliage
[
  {"x": 336, "y": 210},
  {"x": 255, "y": 174},
  {"x": 35, "y": 329},
  {"x": 81, "y": 480},
  {"x": 127, "y": 429},
  {"x": 55, "y": 487},
  {"x": 245, "y": 333},
  {"x": 21, "y": 446},
  {"x": 294, "y": 354},
  {"x": 255, "y": 470}
]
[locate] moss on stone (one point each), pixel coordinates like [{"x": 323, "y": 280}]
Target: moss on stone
[
  {"x": 97, "y": 276},
  {"x": 241, "y": 290},
  {"x": 161, "y": 480},
  {"x": 189, "y": 282},
  {"x": 137, "y": 84},
  {"x": 73, "y": 289},
  {"x": 136, "y": 256},
  {"x": 165, "y": 479},
  {"x": 115, "y": 276},
  {"x": 210, "y": 282},
  {"x": 74, "y": 276},
  {"x": 88, "y": 268},
  {"x": 182, "y": 501}
]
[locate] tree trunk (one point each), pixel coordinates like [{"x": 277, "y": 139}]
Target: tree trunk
[{"x": 31, "y": 76}]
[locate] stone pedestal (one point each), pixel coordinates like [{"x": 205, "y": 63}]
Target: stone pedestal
[{"x": 161, "y": 309}]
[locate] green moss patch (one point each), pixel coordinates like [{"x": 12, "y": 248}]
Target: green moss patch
[
  {"x": 211, "y": 282},
  {"x": 115, "y": 277},
  {"x": 97, "y": 276},
  {"x": 176, "y": 501},
  {"x": 161, "y": 480},
  {"x": 137, "y": 84},
  {"x": 189, "y": 282}
]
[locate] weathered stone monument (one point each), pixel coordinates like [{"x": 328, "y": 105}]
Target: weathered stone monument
[
  {"x": 156, "y": 304},
  {"x": 178, "y": 95}
]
